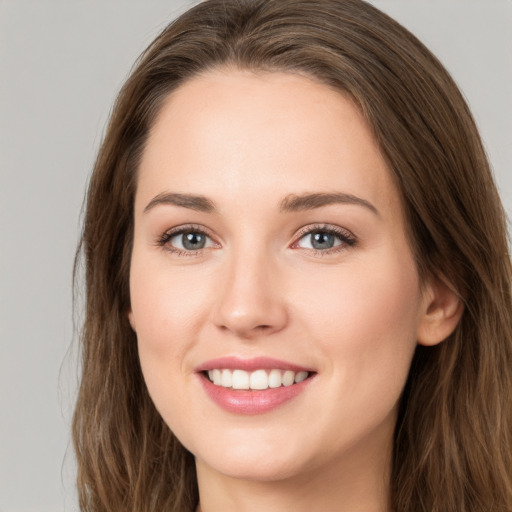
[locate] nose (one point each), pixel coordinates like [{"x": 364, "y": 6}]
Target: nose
[{"x": 251, "y": 300}]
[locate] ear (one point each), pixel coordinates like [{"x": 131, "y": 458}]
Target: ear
[
  {"x": 131, "y": 319},
  {"x": 441, "y": 312}
]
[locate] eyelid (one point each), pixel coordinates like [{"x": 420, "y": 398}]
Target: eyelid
[
  {"x": 163, "y": 239},
  {"x": 348, "y": 239}
]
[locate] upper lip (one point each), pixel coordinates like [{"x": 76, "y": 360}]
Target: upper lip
[{"x": 252, "y": 364}]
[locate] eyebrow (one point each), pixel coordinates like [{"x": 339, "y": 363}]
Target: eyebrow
[
  {"x": 193, "y": 202},
  {"x": 291, "y": 203}
]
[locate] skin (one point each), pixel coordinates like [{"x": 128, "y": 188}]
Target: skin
[{"x": 353, "y": 313}]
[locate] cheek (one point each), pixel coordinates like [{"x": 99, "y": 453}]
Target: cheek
[
  {"x": 382, "y": 295},
  {"x": 166, "y": 311},
  {"x": 166, "y": 315},
  {"x": 365, "y": 320},
  {"x": 164, "y": 303}
]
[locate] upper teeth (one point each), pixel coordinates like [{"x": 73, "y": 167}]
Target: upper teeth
[{"x": 259, "y": 379}]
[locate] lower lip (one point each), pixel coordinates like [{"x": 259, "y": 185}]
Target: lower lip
[{"x": 252, "y": 402}]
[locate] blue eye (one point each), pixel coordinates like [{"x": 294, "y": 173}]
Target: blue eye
[
  {"x": 323, "y": 239},
  {"x": 320, "y": 240},
  {"x": 186, "y": 240},
  {"x": 190, "y": 241}
]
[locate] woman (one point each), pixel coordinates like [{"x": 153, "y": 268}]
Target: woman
[{"x": 297, "y": 276}]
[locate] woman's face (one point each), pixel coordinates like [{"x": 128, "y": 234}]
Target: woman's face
[{"x": 270, "y": 246}]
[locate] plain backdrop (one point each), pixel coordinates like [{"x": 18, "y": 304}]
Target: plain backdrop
[{"x": 61, "y": 65}]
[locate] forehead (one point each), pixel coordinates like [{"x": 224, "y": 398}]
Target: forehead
[{"x": 239, "y": 133}]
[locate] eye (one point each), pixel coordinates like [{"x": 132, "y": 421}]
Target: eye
[
  {"x": 190, "y": 241},
  {"x": 324, "y": 239},
  {"x": 186, "y": 240}
]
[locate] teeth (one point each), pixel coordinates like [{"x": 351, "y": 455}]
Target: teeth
[
  {"x": 240, "y": 379},
  {"x": 226, "y": 379},
  {"x": 300, "y": 376},
  {"x": 259, "y": 379},
  {"x": 288, "y": 378},
  {"x": 274, "y": 379},
  {"x": 216, "y": 377}
]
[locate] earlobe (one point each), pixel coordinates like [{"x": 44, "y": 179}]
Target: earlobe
[
  {"x": 131, "y": 320},
  {"x": 441, "y": 312}
]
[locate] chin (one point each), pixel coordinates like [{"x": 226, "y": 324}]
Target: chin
[
  {"x": 256, "y": 461},
  {"x": 255, "y": 469}
]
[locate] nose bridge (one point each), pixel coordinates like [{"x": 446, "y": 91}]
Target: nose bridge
[{"x": 250, "y": 300}]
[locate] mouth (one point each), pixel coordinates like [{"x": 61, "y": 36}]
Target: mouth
[
  {"x": 260, "y": 379},
  {"x": 253, "y": 386}
]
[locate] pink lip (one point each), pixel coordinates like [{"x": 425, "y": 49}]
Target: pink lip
[
  {"x": 254, "y": 401},
  {"x": 249, "y": 365}
]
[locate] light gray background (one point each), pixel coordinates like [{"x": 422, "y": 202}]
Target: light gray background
[{"x": 61, "y": 64}]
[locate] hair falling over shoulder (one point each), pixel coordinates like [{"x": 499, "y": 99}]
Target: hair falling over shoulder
[{"x": 453, "y": 439}]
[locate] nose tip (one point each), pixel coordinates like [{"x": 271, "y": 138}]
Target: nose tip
[
  {"x": 250, "y": 304},
  {"x": 250, "y": 322}
]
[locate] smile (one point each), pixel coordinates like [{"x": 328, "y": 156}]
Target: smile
[
  {"x": 253, "y": 386},
  {"x": 255, "y": 380}
]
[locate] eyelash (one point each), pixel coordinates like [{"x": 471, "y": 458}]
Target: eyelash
[
  {"x": 347, "y": 239},
  {"x": 190, "y": 228}
]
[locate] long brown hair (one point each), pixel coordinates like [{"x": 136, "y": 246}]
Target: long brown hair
[{"x": 452, "y": 448}]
